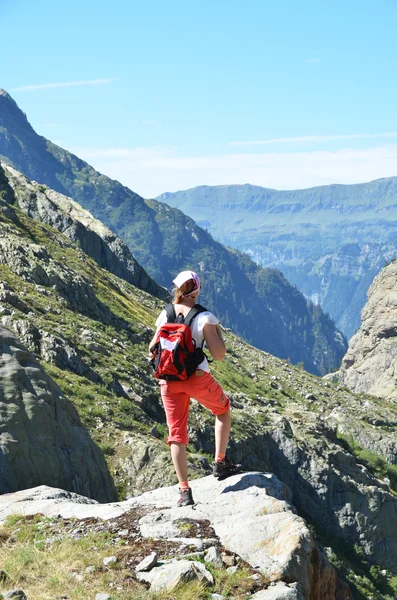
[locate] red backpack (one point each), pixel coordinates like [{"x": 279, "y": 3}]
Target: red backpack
[{"x": 175, "y": 356}]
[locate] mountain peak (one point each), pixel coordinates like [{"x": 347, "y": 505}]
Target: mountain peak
[
  {"x": 11, "y": 115},
  {"x": 6, "y": 95}
]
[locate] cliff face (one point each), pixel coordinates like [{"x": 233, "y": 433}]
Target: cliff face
[
  {"x": 42, "y": 440},
  {"x": 370, "y": 362}
]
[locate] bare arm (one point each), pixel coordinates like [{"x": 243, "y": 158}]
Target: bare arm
[
  {"x": 152, "y": 344},
  {"x": 215, "y": 343}
]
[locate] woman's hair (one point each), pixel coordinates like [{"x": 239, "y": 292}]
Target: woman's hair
[{"x": 186, "y": 288}]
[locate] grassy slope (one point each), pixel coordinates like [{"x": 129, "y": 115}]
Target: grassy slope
[{"x": 253, "y": 208}]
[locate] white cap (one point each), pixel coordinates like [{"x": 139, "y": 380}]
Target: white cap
[{"x": 184, "y": 276}]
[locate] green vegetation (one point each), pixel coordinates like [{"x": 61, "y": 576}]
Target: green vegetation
[
  {"x": 366, "y": 580},
  {"x": 374, "y": 462},
  {"x": 47, "y": 566}
]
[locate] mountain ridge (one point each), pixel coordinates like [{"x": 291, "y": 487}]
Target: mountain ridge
[
  {"x": 277, "y": 190},
  {"x": 165, "y": 241},
  {"x": 295, "y": 231}
]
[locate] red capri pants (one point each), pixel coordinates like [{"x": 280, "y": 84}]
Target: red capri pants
[{"x": 176, "y": 399}]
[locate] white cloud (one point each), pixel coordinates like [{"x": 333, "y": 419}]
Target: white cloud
[
  {"x": 152, "y": 122},
  {"x": 317, "y": 139},
  {"x": 115, "y": 154},
  {"x": 152, "y": 170},
  {"x": 46, "y": 86}
]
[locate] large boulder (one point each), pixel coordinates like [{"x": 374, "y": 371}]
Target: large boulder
[
  {"x": 42, "y": 440},
  {"x": 370, "y": 362},
  {"x": 249, "y": 515}
]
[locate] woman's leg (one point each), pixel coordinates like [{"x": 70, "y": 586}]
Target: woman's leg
[
  {"x": 176, "y": 405},
  {"x": 209, "y": 393},
  {"x": 179, "y": 458},
  {"x": 222, "y": 432}
]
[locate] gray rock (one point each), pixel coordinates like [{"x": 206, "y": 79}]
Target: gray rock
[
  {"x": 232, "y": 570},
  {"x": 369, "y": 363},
  {"x": 228, "y": 560},
  {"x": 42, "y": 439},
  {"x": 15, "y": 594},
  {"x": 169, "y": 576},
  {"x": 363, "y": 511},
  {"x": 90, "y": 569},
  {"x": 280, "y": 591},
  {"x": 213, "y": 557},
  {"x": 252, "y": 518},
  {"x": 147, "y": 563},
  {"x": 249, "y": 512},
  {"x": 103, "y": 597},
  {"x": 110, "y": 561}
]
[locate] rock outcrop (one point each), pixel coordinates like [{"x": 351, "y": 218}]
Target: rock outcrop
[
  {"x": 42, "y": 440},
  {"x": 370, "y": 362},
  {"x": 249, "y": 516},
  {"x": 95, "y": 239}
]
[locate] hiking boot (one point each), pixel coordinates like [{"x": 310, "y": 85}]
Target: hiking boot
[
  {"x": 185, "y": 498},
  {"x": 225, "y": 468}
]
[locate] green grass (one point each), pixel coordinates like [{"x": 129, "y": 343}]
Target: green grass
[
  {"x": 375, "y": 463},
  {"x": 46, "y": 568}
]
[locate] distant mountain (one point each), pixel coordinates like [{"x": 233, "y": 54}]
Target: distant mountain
[
  {"x": 258, "y": 304},
  {"x": 330, "y": 241}
]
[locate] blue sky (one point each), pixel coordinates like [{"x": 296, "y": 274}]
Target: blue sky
[{"x": 168, "y": 95}]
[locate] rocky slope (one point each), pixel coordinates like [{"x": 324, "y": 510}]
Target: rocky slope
[
  {"x": 258, "y": 304},
  {"x": 370, "y": 362},
  {"x": 68, "y": 217},
  {"x": 325, "y": 239},
  {"x": 276, "y": 558},
  {"x": 42, "y": 439},
  {"x": 90, "y": 329}
]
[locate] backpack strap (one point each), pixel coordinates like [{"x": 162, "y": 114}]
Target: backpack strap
[
  {"x": 192, "y": 314},
  {"x": 170, "y": 312}
]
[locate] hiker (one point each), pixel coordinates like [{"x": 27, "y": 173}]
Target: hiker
[{"x": 199, "y": 385}]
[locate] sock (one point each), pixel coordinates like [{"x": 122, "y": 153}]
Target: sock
[
  {"x": 219, "y": 456},
  {"x": 184, "y": 485}
]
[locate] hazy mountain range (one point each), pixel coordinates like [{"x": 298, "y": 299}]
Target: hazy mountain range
[{"x": 330, "y": 241}]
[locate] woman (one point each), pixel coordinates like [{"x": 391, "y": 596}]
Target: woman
[{"x": 201, "y": 386}]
